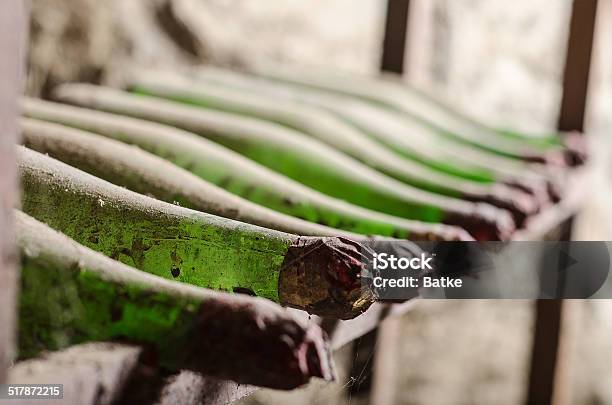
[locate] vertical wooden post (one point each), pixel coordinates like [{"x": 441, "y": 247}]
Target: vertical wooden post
[
  {"x": 386, "y": 367},
  {"x": 577, "y": 66},
  {"x": 544, "y": 352},
  {"x": 12, "y": 23},
  {"x": 394, "y": 41},
  {"x": 546, "y": 382}
]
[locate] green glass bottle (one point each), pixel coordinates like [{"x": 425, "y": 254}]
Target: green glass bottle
[
  {"x": 190, "y": 246},
  {"x": 391, "y": 93},
  {"x": 303, "y": 159},
  {"x": 238, "y": 175},
  {"x": 70, "y": 294},
  {"x": 405, "y": 134},
  {"x": 245, "y": 97},
  {"x": 145, "y": 173}
]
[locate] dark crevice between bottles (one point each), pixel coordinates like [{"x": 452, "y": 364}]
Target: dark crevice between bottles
[
  {"x": 521, "y": 206},
  {"x": 545, "y": 192},
  {"x": 498, "y": 226},
  {"x": 146, "y": 381},
  {"x": 244, "y": 291},
  {"x": 575, "y": 152}
]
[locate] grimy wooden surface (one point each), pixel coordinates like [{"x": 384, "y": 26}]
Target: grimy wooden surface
[
  {"x": 12, "y": 28},
  {"x": 394, "y": 41},
  {"x": 547, "y": 382},
  {"x": 577, "y": 66},
  {"x": 92, "y": 374}
]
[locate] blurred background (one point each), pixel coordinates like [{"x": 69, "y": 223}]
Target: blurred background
[{"x": 500, "y": 62}]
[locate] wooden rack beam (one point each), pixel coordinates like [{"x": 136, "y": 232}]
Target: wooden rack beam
[
  {"x": 12, "y": 28},
  {"x": 577, "y": 66},
  {"x": 394, "y": 42},
  {"x": 545, "y": 379}
]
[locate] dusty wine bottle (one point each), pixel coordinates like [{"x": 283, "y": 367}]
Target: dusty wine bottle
[
  {"x": 303, "y": 159},
  {"x": 250, "y": 100},
  {"x": 411, "y": 137},
  {"x": 239, "y": 175},
  {"x": 226, "y": 90},
  {"x": 193, "y": 247},
  {"x": 145, "y": 173},
  {"x": 405, "y": 99},
  {"x": 70, "y": 294}
]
